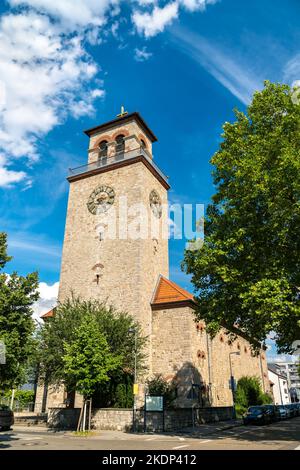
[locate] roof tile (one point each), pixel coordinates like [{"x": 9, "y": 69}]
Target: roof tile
[{"x": 167, "y": 291}]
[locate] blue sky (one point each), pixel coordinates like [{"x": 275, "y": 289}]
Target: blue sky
[{"x": 69, "y": 65}]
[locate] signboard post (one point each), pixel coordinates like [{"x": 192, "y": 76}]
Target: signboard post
[{"x": 154, "y": 404}]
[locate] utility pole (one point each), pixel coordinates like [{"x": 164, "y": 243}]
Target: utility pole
[
  {"x": 135, "y": 386},
  {"x": 236, "y": 353}
]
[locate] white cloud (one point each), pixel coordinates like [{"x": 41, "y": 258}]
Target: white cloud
[
  {"x": 48, "y": 299},
  {"x": 8, "y": 177},
  {"x": 71, "y": 13},
  {"x": 292, "y": 71},
  {"x": 44, "y": 74},
  {"x": 150, "y": 24},
  {"x": 48, "y": 292},
  {"x": 232, "y": 73},
  {"x": 194, "y": 5},
  {"x": 141, "y": 55}
]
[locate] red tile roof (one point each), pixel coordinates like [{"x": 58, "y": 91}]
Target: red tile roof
[
  {"x": 49, "y": 314},
  {"x": 168, "y": 292}
]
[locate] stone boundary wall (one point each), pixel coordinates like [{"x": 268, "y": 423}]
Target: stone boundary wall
[
  {"x": 121, "y": 419},
  {"x": 63, "y": 418}
]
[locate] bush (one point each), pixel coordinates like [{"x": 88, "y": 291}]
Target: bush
[
  {"x": 241, "y": 401},
  {"x": 249, "y": 393},
  {"x": 159, "y": 387},
  {"x": 266, "y": 399}
]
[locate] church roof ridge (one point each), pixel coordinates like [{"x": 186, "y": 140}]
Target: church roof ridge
[{"x": 127, "y": 117}]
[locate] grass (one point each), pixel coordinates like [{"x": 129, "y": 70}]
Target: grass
[{"x": 84, "y": 433}]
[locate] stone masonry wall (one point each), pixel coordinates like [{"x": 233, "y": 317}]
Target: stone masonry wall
[
  {"x": 124, "y": 281},
  {"x": 122, "y": 419},
  {"x": 128, "y": 267},
  {"x": 185, "y": 354}
]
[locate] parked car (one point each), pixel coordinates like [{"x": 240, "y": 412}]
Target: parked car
[
  {"x": 6, "y": 418},
  {"x": 272, "y": 411},
  {"x": 294, "y": 408},
  {"x": 282, "y": 412},
  {"x": 289, "y": 411},
  {"x": 257, "y": 415}
]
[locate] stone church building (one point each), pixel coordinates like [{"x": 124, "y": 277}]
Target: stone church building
[{"x": 132, "y": 273}]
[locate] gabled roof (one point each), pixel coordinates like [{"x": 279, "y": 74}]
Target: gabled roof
[
  {"x": 169, "y": 294},
  {"x": 123, "y": 119},
  {"x": 273, "y": 368},
  {"x": 49, "y": 314}
]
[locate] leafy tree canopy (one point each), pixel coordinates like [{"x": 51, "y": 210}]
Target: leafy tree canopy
[
  {"x": 60, "y": 333},
  {"x": 88, "y": 360},
  {"x": 17, "y": 294},
  {"x": 247, "y": 272}
]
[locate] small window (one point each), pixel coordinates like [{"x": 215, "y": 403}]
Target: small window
[
  {"x": 103, "y": 149},
  {"x": 143, "y": 144},
  {"x": 120, "y": 144}
]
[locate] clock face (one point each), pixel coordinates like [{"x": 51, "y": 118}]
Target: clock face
[
  {"x": 101, "y": 199},
  {"x": 155, "y": 203}
]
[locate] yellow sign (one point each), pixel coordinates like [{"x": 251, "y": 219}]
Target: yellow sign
[{"x": 135, "y": 389}]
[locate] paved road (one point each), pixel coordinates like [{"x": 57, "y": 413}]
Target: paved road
[{"x": 284, "y": 435}]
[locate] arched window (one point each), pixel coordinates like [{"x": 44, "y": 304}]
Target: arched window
[
  {"x": 120, "y": 146},
  {"x": 103, "y": 149},
  {"x": 143, "y": 144}
]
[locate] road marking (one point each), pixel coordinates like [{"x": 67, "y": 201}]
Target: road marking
[
  {"x": 180, "y": 447},
  {"x": 297, "y": 448},
  {"x": 182, "y": 438},
  {"x": 203, "y": 442},
  {"x": 151, "y": 439}
]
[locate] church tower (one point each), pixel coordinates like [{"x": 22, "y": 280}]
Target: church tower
[{"x": 115, "y": 246}]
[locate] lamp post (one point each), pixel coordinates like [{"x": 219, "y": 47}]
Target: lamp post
[
  {"x": 236, "y": 353},
  {"x": 133, "y": 331}
]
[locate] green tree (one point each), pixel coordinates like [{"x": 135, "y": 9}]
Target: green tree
[
  {"x": 247, "y": 273},
  {"x": 17, "y": 294},
  {"x": 88, "y": 360},
  {"x": 22, "y": 398},
  {"x": 115, "y": 326}
]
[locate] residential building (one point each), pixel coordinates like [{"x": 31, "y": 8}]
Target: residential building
[
  {"x": 291, "y": 370},
  {"x": 279, "y": 385}
]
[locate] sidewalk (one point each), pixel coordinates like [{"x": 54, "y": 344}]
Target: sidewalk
[{"x": 199, "y": 431}]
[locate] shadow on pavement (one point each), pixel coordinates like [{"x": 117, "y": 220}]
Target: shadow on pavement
[{"x": 5, "y": 439}]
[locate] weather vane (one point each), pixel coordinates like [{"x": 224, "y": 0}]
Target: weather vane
[{"x": 123, "y": 112}]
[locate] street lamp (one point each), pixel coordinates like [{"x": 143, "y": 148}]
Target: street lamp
[
  {"x": 133, "y": 331},
  {"x": 236, "y": 353}
]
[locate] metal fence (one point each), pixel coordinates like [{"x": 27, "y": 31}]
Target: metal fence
[{"x": 18, "y": 406}]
